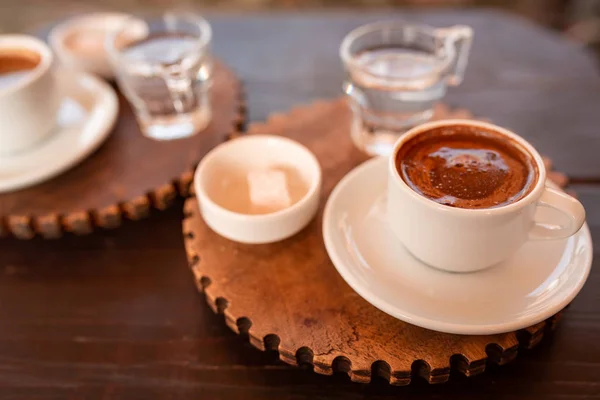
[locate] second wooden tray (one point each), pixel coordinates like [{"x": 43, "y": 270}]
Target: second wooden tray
[{"x": 126, "y": 177}]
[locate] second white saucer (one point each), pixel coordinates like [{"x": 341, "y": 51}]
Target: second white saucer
[
  {"x": 534, "y": 284},
  {"x": 85, "y": 119}
]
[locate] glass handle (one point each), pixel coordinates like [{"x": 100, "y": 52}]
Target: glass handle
[{"x": 458, "y": 39}]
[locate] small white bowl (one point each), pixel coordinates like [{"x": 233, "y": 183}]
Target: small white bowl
[
  {"x": 88, "y": 32},
  {"x": 251, "y": 153}
]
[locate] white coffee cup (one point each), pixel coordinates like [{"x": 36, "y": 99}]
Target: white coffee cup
[
  {"x": 79, "y": 42},
  {"x": 29, "y": 104},
  {"x": 465, "y": 240}
]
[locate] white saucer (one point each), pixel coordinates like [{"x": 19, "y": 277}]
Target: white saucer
[
  {"x": 85, "y": 119},
  {"x": 536, "y": 283}
]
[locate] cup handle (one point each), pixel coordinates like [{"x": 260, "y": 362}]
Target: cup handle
[
  {"x": 564, "y": 204},
  {"x": 460, "y": 37}
]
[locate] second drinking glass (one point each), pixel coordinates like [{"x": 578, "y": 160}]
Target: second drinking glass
[
  {"x": 164, "y": 67},
  {"x": 396, "y": 72}
]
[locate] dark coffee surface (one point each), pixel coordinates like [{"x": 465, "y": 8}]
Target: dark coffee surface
[
  {"x": 16, "y": 60},
  {"x": 467, "y": 167}
]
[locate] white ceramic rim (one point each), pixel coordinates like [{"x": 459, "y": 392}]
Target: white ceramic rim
[
  {"x": 60, "y": 32},
  {"x": 346, "y": 54},
  {"x": 313, "y": 190},
  {"x": 428, "y": 323},
  {"x": 531, "y": 197},
  {"x": 110, "y": 104},
  {"x": 11, "y": 42}
]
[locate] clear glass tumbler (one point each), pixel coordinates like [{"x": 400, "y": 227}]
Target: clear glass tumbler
[
  {"x": 396, "y": 72},
  {"x": 163, "y": 66}
]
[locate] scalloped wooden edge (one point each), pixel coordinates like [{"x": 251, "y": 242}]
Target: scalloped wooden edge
[
  {"x": 80, "y": 222},
  {"x": 498, "y": 353}
]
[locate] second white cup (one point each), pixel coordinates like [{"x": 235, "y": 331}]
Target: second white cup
[{"x": 29, "y": 92}]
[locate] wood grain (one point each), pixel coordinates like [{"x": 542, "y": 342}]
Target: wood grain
[
  {"x": 288, "y": 297},
  {"x": 126, "y": 177}
]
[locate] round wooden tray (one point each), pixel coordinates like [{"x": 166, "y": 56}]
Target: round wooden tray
[
  {"x": 125, "y": 177},
  {"x": 288, "y": 297}
]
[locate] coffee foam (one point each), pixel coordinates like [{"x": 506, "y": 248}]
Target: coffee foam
[
  {"x": 467, "y": 167},
  {"x": 16, "y": 64},
  {"x": 15, "y": 59}
]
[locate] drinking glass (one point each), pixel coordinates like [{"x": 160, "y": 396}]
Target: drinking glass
[
  {"x": 395, "y": 73},
  {"x": 163, "y": 66}
]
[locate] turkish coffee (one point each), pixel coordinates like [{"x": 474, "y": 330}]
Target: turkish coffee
[
  {"x": 16, "y": 65},
  {"x": 467, "y": 167}
]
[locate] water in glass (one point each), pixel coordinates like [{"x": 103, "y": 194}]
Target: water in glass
[
  {"x": 395, "y": 75},
  {"x": 166, "y": 75}
]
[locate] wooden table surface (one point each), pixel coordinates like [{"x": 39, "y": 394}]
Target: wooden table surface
[{"x": 115, "y": 315}]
